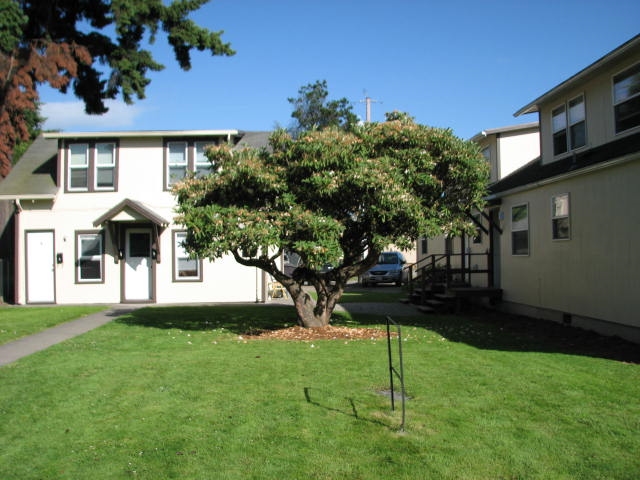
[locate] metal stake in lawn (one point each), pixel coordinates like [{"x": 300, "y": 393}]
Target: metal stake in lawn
[{"x": 393, "y": 371}]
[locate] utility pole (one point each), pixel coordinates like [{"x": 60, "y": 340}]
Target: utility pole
[{"x": 368, "y": 101}]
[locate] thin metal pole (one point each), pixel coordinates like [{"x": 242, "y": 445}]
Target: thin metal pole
[{"x": 393, "y": 407}]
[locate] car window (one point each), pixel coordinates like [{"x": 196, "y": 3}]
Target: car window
[{"x": 388, "y": 258}]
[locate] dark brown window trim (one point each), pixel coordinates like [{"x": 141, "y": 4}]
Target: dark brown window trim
[
  {"x": 91, "y": 188},
  {"x": 191, "y": 153},
  {"x": 76, "y": 258},
  {"x": 175, "y": 277}
]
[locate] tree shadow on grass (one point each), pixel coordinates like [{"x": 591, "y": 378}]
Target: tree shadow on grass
[
  {"x": 241, "y": 319},
  {"x": 492, "y": 330},
  {"x": 484, "y": 329}
]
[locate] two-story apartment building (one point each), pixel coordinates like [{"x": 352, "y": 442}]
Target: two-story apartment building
[
  {"x": 93, "y": 220},
  {"x": 570, "y": 219}
]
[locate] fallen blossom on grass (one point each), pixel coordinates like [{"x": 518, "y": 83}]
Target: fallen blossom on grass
[{"x": 322, "y": 333}]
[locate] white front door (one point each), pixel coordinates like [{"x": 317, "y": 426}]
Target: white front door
[
  {"x": 138, "y": 275},
  {"x": 40, "y": 267}
]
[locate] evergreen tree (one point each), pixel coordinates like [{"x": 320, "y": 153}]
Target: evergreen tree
[{"x": 67, "y": 43}]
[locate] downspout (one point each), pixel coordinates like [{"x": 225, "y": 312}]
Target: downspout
[{"x": 16, "y": 249}]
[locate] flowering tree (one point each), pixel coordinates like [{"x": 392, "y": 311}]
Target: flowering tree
[
  {"x": 66, "y": 43},
  {"x": 334, "y": 197}
]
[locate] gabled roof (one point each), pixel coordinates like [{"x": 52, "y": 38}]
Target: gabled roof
[
  {"x": 34, "y": 176},
  {"x": 535, "y": 171},
  {"x": 130, "y": 211},
  {"x": 610, "y": 57},
  {"x": 253, "y": 140}
]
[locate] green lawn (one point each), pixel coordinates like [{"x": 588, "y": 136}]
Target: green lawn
[
  {"x": 16, "y": 322},
  {"x": 181, "y": 392}
]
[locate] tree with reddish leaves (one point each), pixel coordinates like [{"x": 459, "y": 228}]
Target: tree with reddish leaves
[{"x": 62, "y": 43}]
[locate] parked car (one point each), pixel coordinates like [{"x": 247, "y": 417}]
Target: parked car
[{"x": 389, "y": 269}]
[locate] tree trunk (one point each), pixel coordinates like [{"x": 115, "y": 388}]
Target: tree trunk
[{"x": 316, "y": 314}]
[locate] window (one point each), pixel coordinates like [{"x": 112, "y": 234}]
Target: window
[
  {"x": 184, "y": 268},
  {"x": 626, "y": 99},
  {"x": 78, "y": 166},
  {"x": 560, "y": 225},
  {"x": 577, "y": 123},
  {"x": 105, "y": 166},
  {"x": 202, "y": 164},
  {"x": 183, "y": 157},
  {"x": 424, "y": 245},
  {"x": 89, "y": 258},
  {"x": 177, "y": 162},
  {"x": 520, "y": 229},
  {"x": 91, "y": 167},
  {"x": 568, "y": 123}
]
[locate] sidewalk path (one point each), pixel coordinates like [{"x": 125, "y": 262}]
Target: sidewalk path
[{"x": 12, "y": 351}]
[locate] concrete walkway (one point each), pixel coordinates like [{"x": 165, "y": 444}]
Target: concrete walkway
[{"x": 12, "y": 351}]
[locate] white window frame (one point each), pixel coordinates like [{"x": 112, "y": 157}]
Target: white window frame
[
  {"x": 181, "y": 255},
  {"x": 521, "y": 226},
  {"x": 92, "y": 236},
  {"x": 105, "y": 166},
  {"x": 71, "y": 166},
  {"x": 563, "y": 119},
  {"x": 201, "y": 164},
  {"x": 627, "y": 73},
  {"x": 184, "y": 163},
  {"x": 557, "y": 215},
  {"x": 573, "y": 121}
]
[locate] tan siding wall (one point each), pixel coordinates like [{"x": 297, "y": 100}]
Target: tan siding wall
[
  {"x": 594, "y": 274},
  {"x": 599, "y": 110}
]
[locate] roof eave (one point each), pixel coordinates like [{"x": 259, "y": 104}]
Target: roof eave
[
  {"x": 141, "y": 134},
  {"x": 28, "y": 196},
  {"x": 533, "y": 107}
]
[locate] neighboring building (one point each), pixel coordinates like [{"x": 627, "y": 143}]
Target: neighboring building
[
  {"x": 506, "y": 149},
  {"x": 93, "y": 221},
  {"x": 571, "y": 219},
  {"x": 509, "y": 148}
]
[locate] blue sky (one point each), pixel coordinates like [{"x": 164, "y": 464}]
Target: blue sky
[{"x": 465, "y": 65}]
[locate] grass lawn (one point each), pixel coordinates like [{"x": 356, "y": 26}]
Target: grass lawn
[
  {"x": 16, "y": 322},
  {"x": 182, "y": 392}
]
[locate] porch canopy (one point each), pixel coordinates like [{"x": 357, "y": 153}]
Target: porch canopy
[{"x": 131, "y": 212}]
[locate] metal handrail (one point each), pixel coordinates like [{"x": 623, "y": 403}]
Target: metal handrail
[{"x": 394, "y": 371}]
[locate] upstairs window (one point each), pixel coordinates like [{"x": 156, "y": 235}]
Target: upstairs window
[
  {"x": 177, "y": 162},
  {"x": 568, "y": 123},
  {"x": 105, "y": 166},
  {"x": 560, "y": 225},
  {"x": 626, "y": 99},
  {"x": 202, "y": 164},
  {"x": 78, "y": 173},
  {"x": 184, "y": 157},
  {"x": 577, "y": 123},
  {"x": 91, "y": 167}
]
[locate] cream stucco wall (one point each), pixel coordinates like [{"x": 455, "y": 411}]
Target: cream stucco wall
[
  {"x": 140, "y": 178},
  {"x": 515, "y": 149}
]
